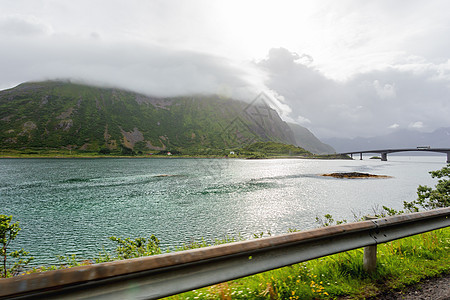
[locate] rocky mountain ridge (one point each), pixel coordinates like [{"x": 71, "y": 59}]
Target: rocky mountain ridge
[{"x": 57, "y": 114}]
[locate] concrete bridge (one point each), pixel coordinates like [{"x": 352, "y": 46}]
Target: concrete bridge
[{"x": 384, "y": 152}]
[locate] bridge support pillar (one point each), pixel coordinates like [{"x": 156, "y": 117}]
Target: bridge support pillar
[
  {"x": 383, "y": 156},
  {"x": 448, "y": 157},
  {"x": 360, "y": 156}
]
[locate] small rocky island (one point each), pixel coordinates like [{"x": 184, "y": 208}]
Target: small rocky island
[{"x": 354, "y": 175}]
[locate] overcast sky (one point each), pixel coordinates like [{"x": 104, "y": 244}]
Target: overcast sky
[{"x": 340, "y": 68}]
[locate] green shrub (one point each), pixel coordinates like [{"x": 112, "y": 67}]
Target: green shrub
[
  {"x": 429, "y": 198},
  {"x": 132, "y": 248},
  {"x": 13, "y": 262}
]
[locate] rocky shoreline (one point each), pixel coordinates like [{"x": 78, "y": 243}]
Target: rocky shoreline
[{"x": 353, "y": 175}]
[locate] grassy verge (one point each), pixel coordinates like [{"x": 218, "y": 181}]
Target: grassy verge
[
  {"x": 257, "y": 150},
  {"x": 400, "y": 263},
  {"x": 86, "y": 154}
]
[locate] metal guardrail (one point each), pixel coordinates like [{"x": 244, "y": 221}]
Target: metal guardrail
[{"x": 163, "y": 275}]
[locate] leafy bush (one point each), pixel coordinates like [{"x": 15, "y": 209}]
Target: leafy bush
[
  {"x": 273, "y": 148},
  {"x": 104, "y": 151},
  {"x": 429, "y": 198},
  {"x": 132, "y": 248},
  {"x": 256, "y": 155},
  {"x": 19, "y": 258},
  {"x": 127, "y": 151}
]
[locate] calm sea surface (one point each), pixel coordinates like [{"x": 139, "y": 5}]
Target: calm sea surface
[{"x": 72, "y": 206}]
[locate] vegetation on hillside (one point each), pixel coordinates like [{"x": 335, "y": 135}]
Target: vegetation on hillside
[
  {"x": 276, "y": 149},
  {"x": 47, "y": 116},
  {"x": 256, "y": 150},
  {"x": 309, "y": 141}
]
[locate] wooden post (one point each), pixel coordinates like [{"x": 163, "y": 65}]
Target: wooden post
[{"x": 370, "y": 254}]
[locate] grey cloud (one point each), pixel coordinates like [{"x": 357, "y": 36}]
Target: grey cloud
[
  {"x": 115, "y": 44},
  {"x": 148, "y": 69},
  {"x": 366, "y": 105},
  {"x": 414, "y": 92},
  {"x": 21, "y": 26}
]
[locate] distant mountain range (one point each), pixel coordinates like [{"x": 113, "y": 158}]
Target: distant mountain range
[
  {"x": 65, "y": 115},
  {"x": 439, "y": 138}
]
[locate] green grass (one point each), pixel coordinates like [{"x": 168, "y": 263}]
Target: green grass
[
  {"x": 52, "y": 153},
  {"x": 400, "y": 263}
]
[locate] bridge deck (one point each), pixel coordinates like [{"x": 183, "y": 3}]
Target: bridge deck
[
  {"x": 441, "y": 150},
  {"x": 384, "y": 152}
]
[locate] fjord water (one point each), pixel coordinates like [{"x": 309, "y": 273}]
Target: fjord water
[{"x": 72, "y": 206}]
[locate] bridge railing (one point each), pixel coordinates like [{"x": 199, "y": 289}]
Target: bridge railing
[
  {"x": 385, "y": 152},
  {"x": 162, "y": 275}
]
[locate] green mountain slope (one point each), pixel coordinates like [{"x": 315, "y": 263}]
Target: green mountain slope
[
  {"x": 64, "y": 115},
  {"x": 305, "y": 139}
]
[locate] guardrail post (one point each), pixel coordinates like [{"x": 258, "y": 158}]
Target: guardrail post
[{"x": 370, "y": 254}]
